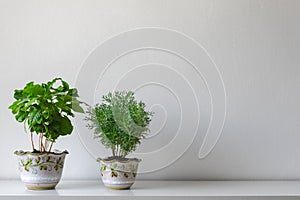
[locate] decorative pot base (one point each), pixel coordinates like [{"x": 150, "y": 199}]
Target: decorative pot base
[
  {"x": 41, "y": 187},
  {"x": 118, "y": 186}
]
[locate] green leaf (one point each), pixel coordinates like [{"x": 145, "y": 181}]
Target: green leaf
[
  {"x": 45, "y": 108},
  {"x": 65, "y": 85},
  {"x": 21, "y": 116},
  {"x": 18, "y": 94},
  {"x": 60, "y": 88},
  {"x": 33, "y": 90},
  {"x": 76, "y": 107},
  {"x": 60, "y": 126},
  {"x": 51, "y": 83},
  {"x": 73, "y": 92},
  {"x": 16, "y": 106},
  {"x": 35, "y": 117},
  {"x": 29, "y": 103}
]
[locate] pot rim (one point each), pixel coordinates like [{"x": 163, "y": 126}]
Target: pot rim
[
  {"x": 55, "y": 152},
  {"x": 113, "y": 159}
]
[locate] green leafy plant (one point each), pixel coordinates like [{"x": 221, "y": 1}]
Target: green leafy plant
[
  {"x": 120, "y": 122},
  {"x": 45, "y": 110}
]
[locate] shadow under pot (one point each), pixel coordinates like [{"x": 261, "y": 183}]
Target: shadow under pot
[
  {"x": 40, "y": 171},
  {"x": 118, "y": 173}
]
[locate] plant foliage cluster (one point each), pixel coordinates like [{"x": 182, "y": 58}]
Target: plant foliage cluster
[
  {"x": 120, "y": 122},
  {"x": 45, "y": 108}
]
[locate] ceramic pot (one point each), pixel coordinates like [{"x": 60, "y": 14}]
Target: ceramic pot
[
  {"x": 118, "y": 173},
  {"x": 40, "y": 171}
]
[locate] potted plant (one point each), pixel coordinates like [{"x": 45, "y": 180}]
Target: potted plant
[
  {"x": 45, "y": 110},
  {"x": 119, "y": 122}
]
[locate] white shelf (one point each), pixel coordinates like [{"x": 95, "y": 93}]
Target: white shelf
[{"x": 160, "y": 190}]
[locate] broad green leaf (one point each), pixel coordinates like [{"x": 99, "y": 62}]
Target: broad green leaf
[
  {"x": 47, "y": 109},
  {"x": 32, "y": 90},
  {"x": 21, "y": 116},
  {"x": 65, "y": 85},
  {"x": 18, "y": 94},
  {"x": 77, "y": 108}
]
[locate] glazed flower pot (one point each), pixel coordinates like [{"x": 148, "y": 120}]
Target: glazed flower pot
[
  {"x": 40, "y": 171},
  {"x": 118, "y": 173}
]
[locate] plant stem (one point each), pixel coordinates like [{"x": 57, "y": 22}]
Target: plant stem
[
  {"x": 31, "y": 139},
  {"x": 47, "y": 146},
  {"x": 50, "y": 146},
  {"x": 116, "y": 150},
  {"x": 119, "y": 149},
  {"x": 40, "y": 143},
  {"x": 42, "y": 147}
]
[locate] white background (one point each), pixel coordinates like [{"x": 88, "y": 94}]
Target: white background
[{"x": 255, "y": 45}]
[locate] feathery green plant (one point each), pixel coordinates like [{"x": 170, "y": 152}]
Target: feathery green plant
[{"x": 120, "y": 122}]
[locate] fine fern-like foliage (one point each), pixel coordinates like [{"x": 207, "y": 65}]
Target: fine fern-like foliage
[
  {"x": 120, "y": 122},
  {"x": 46, "y": 109}
]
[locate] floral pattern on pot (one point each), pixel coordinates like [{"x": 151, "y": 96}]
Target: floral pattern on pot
[
  {"x": 118, "y": 173},
  {"x": 40, "y": 171},
  {"x": 49, "y": 163}
]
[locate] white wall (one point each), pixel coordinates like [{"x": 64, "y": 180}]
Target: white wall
[{"x": 254, "y": 44}]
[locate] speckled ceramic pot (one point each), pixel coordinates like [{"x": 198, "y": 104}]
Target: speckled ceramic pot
[
  {"x": 40, "y": 171},
  {"x": 118, "y": 173}
]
